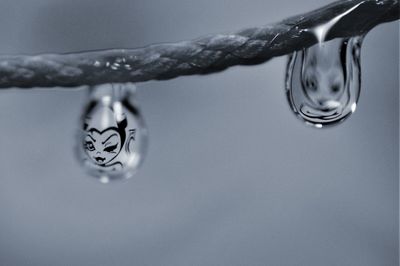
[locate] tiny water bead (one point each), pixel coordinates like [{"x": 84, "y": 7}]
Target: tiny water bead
[
  {"x": 323, "y": 81},
  {"x": 112, "y": 139}
]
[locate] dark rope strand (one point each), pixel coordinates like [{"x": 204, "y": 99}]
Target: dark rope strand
[{"x": 201, "y": 56}]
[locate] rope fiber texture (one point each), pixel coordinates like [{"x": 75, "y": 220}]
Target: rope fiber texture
[{"x": 200, "y": 56}]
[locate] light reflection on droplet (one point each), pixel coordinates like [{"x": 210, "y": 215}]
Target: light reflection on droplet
[
  {"x": 322, "y": 30},
  {"x": 318, "y": 125},
  {"x": 104, "y": 179},
  {"x": 353, "y": 107}
]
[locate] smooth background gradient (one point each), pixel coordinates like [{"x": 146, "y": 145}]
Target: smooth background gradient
[{"x": 231, "y": 176}]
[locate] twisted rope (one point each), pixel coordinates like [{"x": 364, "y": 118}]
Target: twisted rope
[{"x": 201, "y": 56}]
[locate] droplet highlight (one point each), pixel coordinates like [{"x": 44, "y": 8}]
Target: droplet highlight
[
  {"x": 323, "y": 81},
  {"x": 112, "y": 138}
]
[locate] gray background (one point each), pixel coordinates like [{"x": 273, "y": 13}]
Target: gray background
[{"x": 231, "y": 176}]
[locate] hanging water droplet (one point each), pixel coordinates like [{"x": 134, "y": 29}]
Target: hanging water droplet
[
  {"x": 323, "y": 81},
  {"x": 112, "y": 138}
]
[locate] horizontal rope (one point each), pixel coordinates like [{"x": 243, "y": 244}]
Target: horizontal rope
[{"x": 201, "y": 56}]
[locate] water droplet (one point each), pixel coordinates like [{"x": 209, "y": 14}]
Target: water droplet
[
  {"x": 112, "y": 139},
  {"x": 323, "y": 81}
]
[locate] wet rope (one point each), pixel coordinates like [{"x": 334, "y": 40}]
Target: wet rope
[{"x": 201, "y": 56}]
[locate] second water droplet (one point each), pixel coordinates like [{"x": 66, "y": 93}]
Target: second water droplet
[{"x": 323, "y": 81}]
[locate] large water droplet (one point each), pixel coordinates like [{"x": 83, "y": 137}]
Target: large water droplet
[
  {"x": 112, "y": 139},
  {"x": 323, "y": 81}
]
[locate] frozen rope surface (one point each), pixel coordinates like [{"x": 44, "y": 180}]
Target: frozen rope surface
[{"x": 201, "y": 56}]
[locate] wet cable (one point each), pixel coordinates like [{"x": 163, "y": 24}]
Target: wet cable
[{"x": 200, "y": 56}]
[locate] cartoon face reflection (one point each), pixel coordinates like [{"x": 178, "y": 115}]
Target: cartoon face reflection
[
  {"x": 103, "y": 144},
  {"x": 107, "y": 140},
  {"x": 102, "y": 147}
]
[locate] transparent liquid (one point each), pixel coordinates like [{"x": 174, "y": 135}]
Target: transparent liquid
[
  {"x": 112, "y": 139},
  {"x": 323, "y": 81}
]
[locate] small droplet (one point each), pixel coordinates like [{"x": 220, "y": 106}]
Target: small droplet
[
  {"x": 323, "y": 81},
  {"x": 112, "y": 139},
  {"x": 97, "y": 63}
]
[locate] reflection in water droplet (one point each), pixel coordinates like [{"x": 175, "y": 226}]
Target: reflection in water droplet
[
  {"x": 112, "y": 139},
  {"x": 323, "y": 81}
]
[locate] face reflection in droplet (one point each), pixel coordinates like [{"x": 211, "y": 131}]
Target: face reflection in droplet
[
  {"x": 112, "y": 139},
  {"x": 323, "y": 81}
]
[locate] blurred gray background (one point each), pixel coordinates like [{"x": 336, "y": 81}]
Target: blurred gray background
[{"x": 231, "y": 176}]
